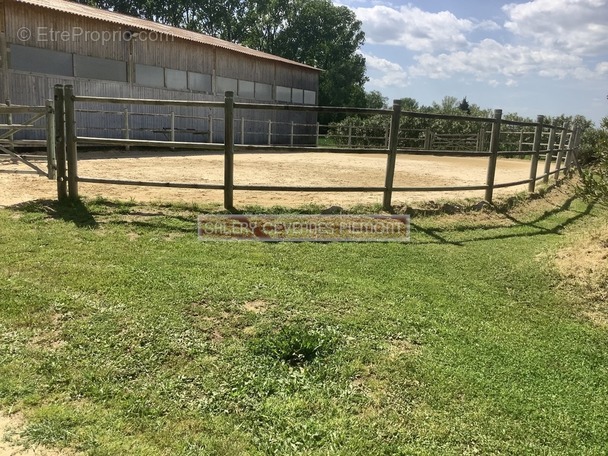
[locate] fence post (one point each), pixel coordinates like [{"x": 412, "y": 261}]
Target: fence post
[
  {"x": 427, "y": 139},
  {"x": 210, "y": 128},
  {"x": 549, "y": 155},
  {"x": 481, "y": 139},
  {"x": 70, "y": 142},
  {"x": 9, "y": 121},
  {"x": 494, "y": 146},
  {"x": 269, "y": 132},
  {"x": 350, "y": 135},
  {"x": 538, "y": 133},
  {"x": 562, "y": 150},
  {"x": 62, "y": 189},
  {"x": 50, "y": 139},
  {"x": 573, "y": 145},
  {"x": 317, "y": 133},
  {"x": 520, "y": 146},
  {"x": 172, "y": 126},
  {"x": 229, "y": 150},
  {"x": 126, "y": 134},
  {"x": 242, "y": 130},
  {"x": 291, "y": 135},
  {"x": 392, "y": 156}
]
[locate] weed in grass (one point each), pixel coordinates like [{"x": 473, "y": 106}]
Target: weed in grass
[{"x": 296, "y": 345}]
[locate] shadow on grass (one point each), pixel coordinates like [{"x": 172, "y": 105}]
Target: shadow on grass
[
  {"x": 539, "y": 226},
  {"x": 69, "y": 211},
  {"x": 183, "y": 218}
]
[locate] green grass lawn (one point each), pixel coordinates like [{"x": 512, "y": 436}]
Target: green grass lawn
[{"x": 122, "y": 333}]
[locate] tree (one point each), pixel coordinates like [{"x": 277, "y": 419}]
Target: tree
[
  {"x": 464, "y": 106},
  {"x": 375, "y": 100},
  {"x": 321, "y": 34},
  {"x": 409, "y": 104}
]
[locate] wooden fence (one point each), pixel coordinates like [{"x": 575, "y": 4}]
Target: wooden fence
[
  {"x": 561, "y": 145},
  {"x": 21, "y": 118}
]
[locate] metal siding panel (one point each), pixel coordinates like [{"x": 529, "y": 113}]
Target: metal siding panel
[
  {"x": 96, "y": 68},
  {"x": 225, "y": 85},
  {"x": 176, "y": 79},
  {"x": 283, "y": 94},
  {"x": 35, "y": 60},
  {"x": 148, "y": 75},
  {"x": 263, "y": 92},
  {"x": 199, "y": 82},
  {"x": 246, "y": 89}
]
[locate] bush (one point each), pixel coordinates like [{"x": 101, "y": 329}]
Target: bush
[
  {"x": 364, "y": 131},
  {"x": 594, "y": 152}
]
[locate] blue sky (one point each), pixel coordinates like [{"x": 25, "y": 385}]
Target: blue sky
[{"x": 530, "y": 57}]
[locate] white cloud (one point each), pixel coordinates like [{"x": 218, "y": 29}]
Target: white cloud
[
  {"x": 575, "y": 26},
  {"x": 415, "y": 29},
  {"x": 489, "y": 59},
  {"x": 550, "y": 39},
  {"x": 601, "y": 69},
  {"x": 391, "y": 74}
]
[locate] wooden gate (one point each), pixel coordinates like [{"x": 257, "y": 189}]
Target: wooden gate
[{"x": 40, "y": 118}]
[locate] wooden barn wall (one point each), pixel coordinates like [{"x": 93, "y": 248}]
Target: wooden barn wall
[
  {"x": 289, "y": 76},
  {"x": 34, "y": 89},
  {"x": 42, "y": 21},
  {"x": 176, "y": 54}
]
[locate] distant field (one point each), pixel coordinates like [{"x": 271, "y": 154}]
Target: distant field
[{"x": 122, "y": 333}]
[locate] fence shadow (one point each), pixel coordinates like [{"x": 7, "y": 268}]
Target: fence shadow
[
  {"x": 500, "y": 224},
  {"x": 75, "y": 212},
  {"x": 538, "y": 226}
]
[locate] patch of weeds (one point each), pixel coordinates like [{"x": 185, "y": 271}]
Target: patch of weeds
[
  {"x": 297, "y": 345},
  {"x": 52, "y": 425}
]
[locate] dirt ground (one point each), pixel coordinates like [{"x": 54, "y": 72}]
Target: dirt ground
[
  {"x": 271, "y": 169},
  {"x": 10, "y": 444}
]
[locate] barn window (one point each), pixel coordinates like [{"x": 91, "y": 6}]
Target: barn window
[
  {"x": 199, "y": 82},
  {"x": 96, "y": 68},
  {"x": 297, "y": 96},
  {"x": 284, "y": 94},
  {"x": 225, "y": 85},
  {"x": 176, "y": 79},
  {"x": 25, "y": 58},
  {"x": 263, "y": 91},
  {"x": 148, "y": 75},
  {"x": 310, "y": 97},
  {"x": 246, "y": 89}
]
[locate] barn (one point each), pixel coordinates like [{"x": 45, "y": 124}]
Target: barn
[{"x": 102, "y": 53}]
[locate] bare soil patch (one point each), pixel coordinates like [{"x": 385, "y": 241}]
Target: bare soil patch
[
  {"x": 10, "y": 444},
  {"x": 584, "y": 265},
  {"x": 297, "y": 169}
]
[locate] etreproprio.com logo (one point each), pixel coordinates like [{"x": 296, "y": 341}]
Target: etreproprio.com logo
[{"x": 50, "y": 35}]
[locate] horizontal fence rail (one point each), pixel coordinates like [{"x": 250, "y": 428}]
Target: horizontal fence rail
[{"x": 490, "y": 138}]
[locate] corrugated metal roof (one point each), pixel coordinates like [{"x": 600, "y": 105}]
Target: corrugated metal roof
[{"x": 142, "y": 24}]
